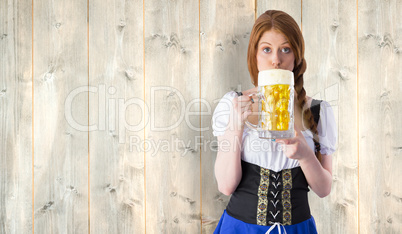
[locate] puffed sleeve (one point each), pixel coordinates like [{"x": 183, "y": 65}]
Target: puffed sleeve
[
  {"x": 220, "y": 118},
  {"x": 327, "y": 129}
]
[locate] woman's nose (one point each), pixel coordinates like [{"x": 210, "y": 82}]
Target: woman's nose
[{"x": 276, "y": 60}]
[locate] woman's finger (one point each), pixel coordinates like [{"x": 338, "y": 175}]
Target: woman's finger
[
  {"x": 246, "y": 108},
  {"x": 246, "y": 114},
  {"x": 287, "y": 141},
  {"x": 243, "y": 99},
  {"x": 281, "y": 141}
]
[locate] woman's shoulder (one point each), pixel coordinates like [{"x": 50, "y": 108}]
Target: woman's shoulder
[
  {"x": 226, "y": 100},
  {"x": 327, "y": 126},
  {"x": 321, "y": 110},
  {"x": 309, "y": 102}
]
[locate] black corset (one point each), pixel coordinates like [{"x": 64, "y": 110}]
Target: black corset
[{"x": 264, "y": 196}]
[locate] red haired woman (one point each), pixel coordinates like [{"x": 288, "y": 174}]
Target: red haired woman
[{"x": 269, "y": 184}]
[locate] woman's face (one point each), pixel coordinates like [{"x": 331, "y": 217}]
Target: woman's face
[{"x": 274, "y": 52}]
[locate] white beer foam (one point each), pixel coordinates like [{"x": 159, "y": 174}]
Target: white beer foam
[{"x": 275, "y": 76}]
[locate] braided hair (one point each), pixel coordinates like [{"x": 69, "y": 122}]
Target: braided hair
[{"x": 285, "y": 24}]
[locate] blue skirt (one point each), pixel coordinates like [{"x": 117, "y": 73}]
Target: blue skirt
[{"x": 229, "y": 225}]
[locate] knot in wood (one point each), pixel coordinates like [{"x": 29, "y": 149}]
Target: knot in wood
[{"x": 3, "y": 93}]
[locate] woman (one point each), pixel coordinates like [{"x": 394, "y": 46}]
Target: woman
[{"x": 269, "y": 185}]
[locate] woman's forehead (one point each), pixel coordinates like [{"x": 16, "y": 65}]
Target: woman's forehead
[{"x": 273, "y": 36}]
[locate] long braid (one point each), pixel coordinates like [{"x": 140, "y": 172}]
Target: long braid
[{"x": 301, "y": 100}]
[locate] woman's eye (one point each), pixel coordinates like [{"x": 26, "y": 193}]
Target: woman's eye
[
  {"x": 267, "y": 50},
  {"x": 286, "y": 50}
]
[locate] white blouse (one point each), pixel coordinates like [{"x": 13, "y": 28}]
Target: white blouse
[{"x": 267, "y": 153}]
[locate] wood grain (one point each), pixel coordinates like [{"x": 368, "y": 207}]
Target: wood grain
[
  {"x": 15, "y": 117},
  {"x": 292, "y": 7},
  {"x": 116, "y": 162},
  {"x": 61, "y": 147},
  {"x": 380, "y": 87},
  {"x": 171, "y": 84},
  {"x": 193, "y": 49},
  {"x": 329, "y": 29},
  {"x": 225, "y": 32}
]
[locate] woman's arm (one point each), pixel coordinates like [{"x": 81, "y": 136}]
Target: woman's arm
[
  {"x": 228, "y": 171},
  {"x": 318, "y": 175},
  {"x": 228, "y": 162}
]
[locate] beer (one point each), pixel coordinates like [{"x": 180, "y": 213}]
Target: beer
[
  {"x": 275, "y": 107},
  {"x": 276, "y": 89}
]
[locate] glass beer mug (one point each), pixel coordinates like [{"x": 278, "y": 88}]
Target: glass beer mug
[{"x": 275, "y": 104}]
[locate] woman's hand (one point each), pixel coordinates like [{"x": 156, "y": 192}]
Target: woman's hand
[
  {"x": 296, "y": 147},
  {"x": 241, "y": 109}
]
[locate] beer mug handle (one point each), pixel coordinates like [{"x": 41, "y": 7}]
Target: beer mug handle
[{"x": 254, "y": 127}]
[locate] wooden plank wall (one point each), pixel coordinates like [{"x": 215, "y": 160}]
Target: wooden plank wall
[
  {"x": 60, "y": 157},
  {"x": 116, "y": 170},
  {"x": 380, "y": 106},
  {"x": 86, "y": 86},
  {"x": 172, "y": 68},
  {"x": 15, "y": 117}
]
